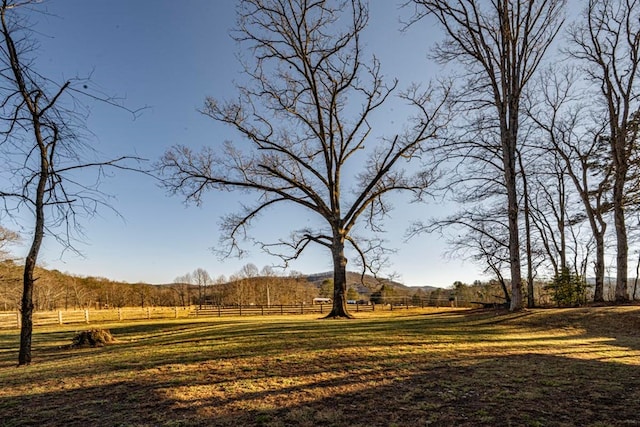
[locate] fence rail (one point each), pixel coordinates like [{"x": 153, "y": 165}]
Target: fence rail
[
  {"x": 263, "y": 310},
  {"x": 60, "y": 317},
  {"x": 11, "y": 319}
]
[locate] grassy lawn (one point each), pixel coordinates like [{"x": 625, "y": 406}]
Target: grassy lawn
[{"x": 403, "y": 368}]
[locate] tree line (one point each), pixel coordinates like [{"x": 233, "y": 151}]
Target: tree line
[
  {"x": 196, "y": 289},
  {"x": 60, "y": 291},
  {"x": 248, "y": 286}
]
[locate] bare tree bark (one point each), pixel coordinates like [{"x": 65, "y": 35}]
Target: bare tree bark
[
  {"x": 501, "y": 43},
  {"x": 635, "y": 281},
  {"x": 531, "y": 303},
  {"x": 339, "y": 276}
]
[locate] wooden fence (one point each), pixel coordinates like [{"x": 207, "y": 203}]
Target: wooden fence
[
  {"x": 60, "y": 317},
  {"x": 263, "y": 310},
  {"x": 42, "y": 318}
]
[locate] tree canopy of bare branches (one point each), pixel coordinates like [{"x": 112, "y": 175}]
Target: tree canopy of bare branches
[
  {"x": 570, "y": 138},
  {"x": 499, "y": 44},
  {"x": 305, "y": 115},
  {"x": 607, "y": 45}
]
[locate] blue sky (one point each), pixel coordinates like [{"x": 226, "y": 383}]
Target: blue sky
[{"x": 168, "y": 56}]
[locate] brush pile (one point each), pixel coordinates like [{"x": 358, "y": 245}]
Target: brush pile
[{"x": 93, "y": 338}]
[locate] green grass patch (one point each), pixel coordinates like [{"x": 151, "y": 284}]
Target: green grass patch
[{"x": 428, "y": 367}]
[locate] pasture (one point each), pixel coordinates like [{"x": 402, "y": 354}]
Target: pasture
[{"x": 403, "y": 368}]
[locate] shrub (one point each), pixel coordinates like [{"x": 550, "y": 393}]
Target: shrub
[{"x": 568, "y": 289}]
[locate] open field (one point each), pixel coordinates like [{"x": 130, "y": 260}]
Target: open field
[{"x": 403, "y": 368}]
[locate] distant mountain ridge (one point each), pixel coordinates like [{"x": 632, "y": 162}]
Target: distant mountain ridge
[{"x": 367, "y": 284}]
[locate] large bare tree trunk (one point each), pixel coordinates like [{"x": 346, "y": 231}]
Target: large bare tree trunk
[
  {"x": 527, "y": 224},
  {"x": 26, "y": 331},
  {"x": 339, "y": 281},
  {"x": 509, "y": 161},
  {"x": 622, "y": 246},
  {"x": 514, "y": 253},
  {"x": 635, "y": 281},
  {"x": 598, "y": 294}
]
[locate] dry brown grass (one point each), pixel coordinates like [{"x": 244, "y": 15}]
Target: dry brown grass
[{"x": 415, "y": 368}]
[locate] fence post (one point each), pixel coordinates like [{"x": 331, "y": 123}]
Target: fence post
[
  {"x": 320, "y": 308},
  {"x": 262, "y": 310},
  {"x": 18, "y": 319},
  {"x": 281, "y": 310},
  {"x": 219, "y": 314},
  {"x": 148, "y": 313},
  {"x": 175, "y": 309},
  {"x": 59, "y": 317},
  {"x": 240, "y": 309},
  {"x": 301, "y": 308},
  {"x": 120, "y": 314},
  {"x": 86, "y": 315}
]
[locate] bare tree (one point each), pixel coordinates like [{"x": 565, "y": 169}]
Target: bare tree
[
  {"x": 571, "y": 134},
  {"x": 607, "y": 42},
  {"x": 270, "y": 279},
  {"x": 247, "y": 283},
  {"x": 141, "y": 293},
  {"x": 9, "y": 291},
  {"x": 7, "y": 238},
  {"x": 306, "y": 114},
  {"x": 202, "y": 279},
  {"x": 528, "y": 229},
  {"x": 478, "y": 234},
  {"x": 43, "y": 150},
  {"x": 549, "y": 213},
  {"x": 500, "y": 44},
  {"x": 182, "y": 287}
]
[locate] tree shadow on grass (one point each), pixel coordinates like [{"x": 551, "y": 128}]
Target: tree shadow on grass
[
  {"x": 247, "y": 373},
  {"x": 527, "y": 389},
  {"x": 619, "y": 323},
  {"x": 165, "y": 343},
  {"x": 512, "y": 390}
]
